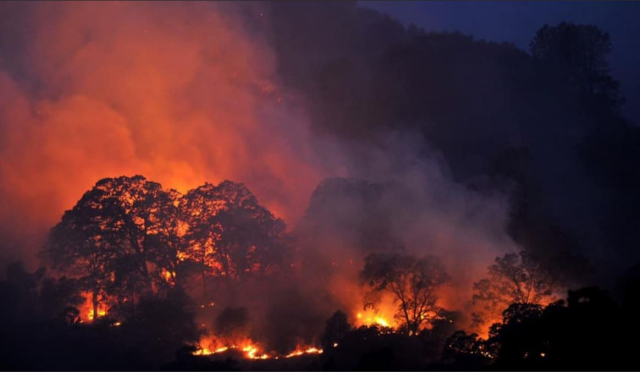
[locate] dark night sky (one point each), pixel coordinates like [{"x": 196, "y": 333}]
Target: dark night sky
[{"x": 517, "y": 22}]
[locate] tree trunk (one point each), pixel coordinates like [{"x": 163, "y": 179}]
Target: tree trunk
[
  {"x": 133, "y": 304},
  {"x": 95, "y": 304},
  {"x": 415, "y": 325},
  {"x": 140, "y": 251},
  {"x": 147, "y": 278},
  {"x": 204, "y": 287}
]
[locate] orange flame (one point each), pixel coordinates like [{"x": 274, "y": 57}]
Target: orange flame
[
  {"x": 301, "y": 351},
  {"x": 211, "y": 345},
  {"x": 251, "y": 350},
  {"x": 86, "y": 309}
]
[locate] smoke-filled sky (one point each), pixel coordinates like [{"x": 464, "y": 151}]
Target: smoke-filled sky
[
  {"x": 281, "y": 95},
  {"x": 517, "y": 21},
  {"x": 187, "y": 93},
  {"x": 180, "y": 93},
  {"x": 426, "y": 143}
]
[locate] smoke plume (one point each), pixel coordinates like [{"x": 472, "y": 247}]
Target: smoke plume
[
  {"x": 187, "y": 93},
  {"x": 181, "y": 93}
]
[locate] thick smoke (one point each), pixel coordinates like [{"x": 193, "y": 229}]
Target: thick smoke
[
  {"x": 495, "y": 112},
  {"x": 400, "y": 203},
  {"x": 182, "y": 93},
  {"x": 185, "y": 93}
]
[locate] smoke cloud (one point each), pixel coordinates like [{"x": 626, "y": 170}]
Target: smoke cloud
[
  {"x": 187, "y": 93},
  {"x": 181, "y": 93}
]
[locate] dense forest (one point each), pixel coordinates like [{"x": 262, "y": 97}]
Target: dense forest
[{"x": 139, "y": 276}]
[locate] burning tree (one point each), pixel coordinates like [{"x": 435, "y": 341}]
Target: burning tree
[
  {"x": 77, "y": 245},
  {"x": 513, "y": 279},
  {"x": 413, "y": 281},
  {"x": 119, "y": 237},
  {"x": 230, "y": 233},
  {"x": 145, "y": 221},
  {"x": 127, "y": 237}
]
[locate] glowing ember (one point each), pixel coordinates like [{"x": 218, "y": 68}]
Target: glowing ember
[
  {"x": 182, "y": 255},
  {"x": 168, "y": 276}
]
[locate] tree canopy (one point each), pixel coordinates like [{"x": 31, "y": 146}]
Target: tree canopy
[
  {"x": 513, "y": 279},
  {"x": 128, "y": 236},
  {"x": 413, "y": 281}
]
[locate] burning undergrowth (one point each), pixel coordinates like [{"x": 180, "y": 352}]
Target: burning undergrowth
[
  {"x": 257, "y": 288},
  {"x": 189, "y": 93}
]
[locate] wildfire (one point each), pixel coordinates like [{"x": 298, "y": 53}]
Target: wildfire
[
  {"x": 250, "y": 350},
  {"x": 101, "y": 313},
  {"x": 211, "y": 346},
  {"x": 298, "y": 352},
  {"x": 86, "y": 309},
  {"x": 381, "y": 322},
  {"x": 182, "y": 255},
  {"x": 371, "y": 318},
  {"x": 168, "y": 276}
]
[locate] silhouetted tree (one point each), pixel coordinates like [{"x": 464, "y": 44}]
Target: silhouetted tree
[
  {"x": 165, "y": 237},
  {"x": 413, "y": 281},
  {"x": 143, "y": 221},
  {"x": 442, "y": 327},
  {"x": 513, "y": 279},
  {"x": 466, "y": 350},
  {"x": 376, "y": 348},
  {"x": 230, "y": 233},
  {"x": 581, "y": 334},
  {"x": 120, "y": 237},
  {"x": 76, "y": 246},
  {"x": 578, "y": 54},
  {"x": 506, "y": 340},
  {"x": 335, "y": 328}
]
